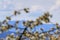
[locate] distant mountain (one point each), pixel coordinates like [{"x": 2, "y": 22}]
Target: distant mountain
[
  {"x": 4, "y": 34},
  {"x": 46, "y": 27}
]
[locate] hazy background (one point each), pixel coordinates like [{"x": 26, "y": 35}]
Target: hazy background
[{"x": 37, "y": 8}]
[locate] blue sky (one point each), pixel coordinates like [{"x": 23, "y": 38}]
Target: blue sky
[{"x": 37, "y": 8}]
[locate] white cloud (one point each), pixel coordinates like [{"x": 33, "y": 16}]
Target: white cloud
[
  {"x": 17, "y": 6},
  {"x": 4, "y": 5},
  {"x": 36, "y": 8},
  {"x": 57, "y": 5},
  {"x": 55, "y": 11},
  {"x": 24, "y": 17}
]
